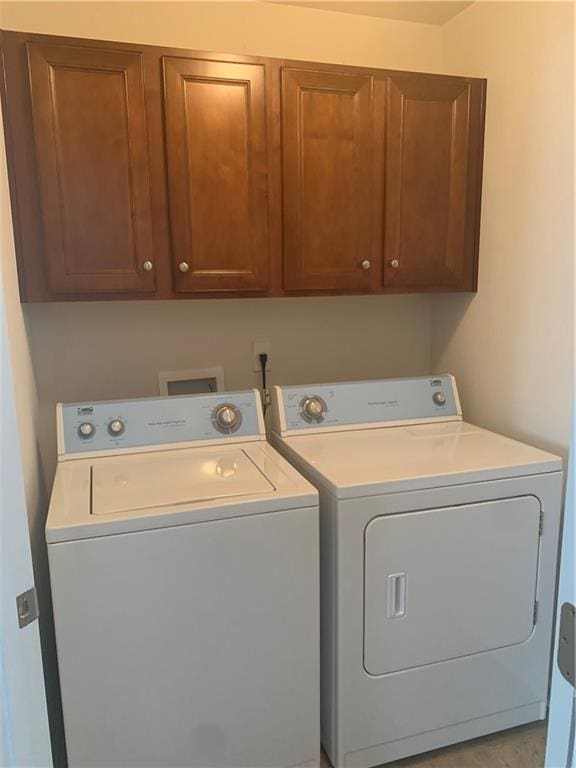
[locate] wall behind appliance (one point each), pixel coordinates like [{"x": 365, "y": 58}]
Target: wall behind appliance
[
  {"x": 92, "y": 351},
  {"x": 511, "y": 346},
  {"x": 257, "y": 28},
  {"x": 114, "y": 350}
]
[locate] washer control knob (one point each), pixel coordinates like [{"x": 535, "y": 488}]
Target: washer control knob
[
  {"x": 226, "y": 417},
  {"x": 439, "y": 398},
  {"x": 313, "y": 408},
  {"x": 86, "y": 430},
  {"x": 116, "y": 427}
]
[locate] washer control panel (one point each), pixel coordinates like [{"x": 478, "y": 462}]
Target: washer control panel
[
  {"x": 128, "y": 424},
  {"x": 374, "y": 403}
]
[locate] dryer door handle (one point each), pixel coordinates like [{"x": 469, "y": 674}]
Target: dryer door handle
[{"x": 396, "y": 603}]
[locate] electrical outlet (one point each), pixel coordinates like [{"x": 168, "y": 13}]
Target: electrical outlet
[{"x": 258, "y": 348}]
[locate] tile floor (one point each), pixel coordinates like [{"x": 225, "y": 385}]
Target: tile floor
[{"x": 517, "y": 748}]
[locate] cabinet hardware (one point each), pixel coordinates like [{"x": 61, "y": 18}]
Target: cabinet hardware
[
  {"x": 394, "y": 263},
  {"x": 147, "y": 266},
  {"x": 183, "y": 266},
  {"x": 365, "y": 264}
]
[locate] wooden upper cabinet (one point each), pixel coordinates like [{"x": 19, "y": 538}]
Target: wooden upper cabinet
[
  {"x": 92, "y": 162},
  {"x": 148, "y": 172},
  {"x": 327, "y": 180},
  {"x": 433, "y": 161},
  {"x": 215, "y": 118}
]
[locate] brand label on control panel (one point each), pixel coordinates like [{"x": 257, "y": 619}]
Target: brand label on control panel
[
  {"x": 129, "y": 424},
  {"x": 323, "y": 406}
]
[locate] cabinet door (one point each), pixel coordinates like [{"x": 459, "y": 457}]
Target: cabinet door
[
  {"x": 216, "y": 147},
  {"x": 433, "y": 164},
  {"x": 327, "y": 180},
  {"x": 92, "y": 161}
]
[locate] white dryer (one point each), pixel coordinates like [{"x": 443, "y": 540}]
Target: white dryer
[
  {"x": 183, "y": 557},
  {"x": 438, "y": 559}
]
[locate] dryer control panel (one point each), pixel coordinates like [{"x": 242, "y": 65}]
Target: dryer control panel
[
  {"x": 126, "y": 425},
  {"x": 350, "y": 405}
]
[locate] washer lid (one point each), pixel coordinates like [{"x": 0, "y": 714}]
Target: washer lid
[
  {"x": 141, "y": 481},
  {"x": 187, "y": 486}
]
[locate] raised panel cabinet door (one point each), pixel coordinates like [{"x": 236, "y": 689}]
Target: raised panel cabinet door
[
  {"x": 216, "y": 149},
  {"x": 433, "y": 176},
  {"x": 327, "y": 180},
  {"x": 92, "y": 160}
]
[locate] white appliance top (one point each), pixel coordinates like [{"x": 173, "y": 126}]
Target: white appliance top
[
  {"x": 132, "y": 478},
  {"x": 418, "y": 450}
]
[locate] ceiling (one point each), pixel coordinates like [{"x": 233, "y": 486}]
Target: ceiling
[{"x": 427, "y": 12}]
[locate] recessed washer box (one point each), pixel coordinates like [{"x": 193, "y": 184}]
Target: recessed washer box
[{"x": 195, "y": 381}]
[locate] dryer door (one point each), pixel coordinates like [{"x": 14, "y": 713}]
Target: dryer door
[{"x": 444, "y": 583}]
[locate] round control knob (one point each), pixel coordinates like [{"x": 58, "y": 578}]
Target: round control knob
[
  {"x": 116, "y": 427},
  {"x": 439, "y": 398},
  {"x": 226, "y": 418},
  {"x": 86, "y": 430},
  {"x": 313, "y": 408}
]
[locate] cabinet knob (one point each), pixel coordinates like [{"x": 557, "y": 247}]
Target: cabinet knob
[
  {"x": 147, "y": 266},
  {"x": 183, "y": 266},
  {"x": 394, "y": 263},
  {"x": 365, "y": 264}
]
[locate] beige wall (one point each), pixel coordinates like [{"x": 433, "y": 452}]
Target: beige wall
[
  {"x": 111, "y": 350},
  {"x": 511, "y": 345},
  {"x": 27, "y": 400},
  {"x": 240, "y": 27},
  {"x": 27, "y": 411}
]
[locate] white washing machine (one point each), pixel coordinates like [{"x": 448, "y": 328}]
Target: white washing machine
[
  {"x": 183, "y": 558},
  {"x": 438, "y": 559}
]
